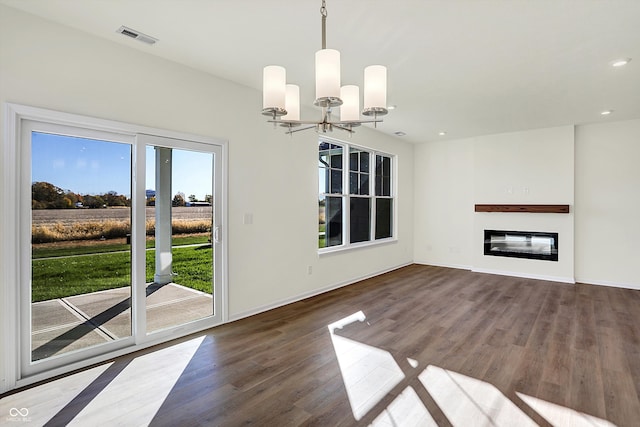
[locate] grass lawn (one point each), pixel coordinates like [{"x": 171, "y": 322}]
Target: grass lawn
[
  {"x": 321, "y": 235},
  {"x": 57, "y": 278},
  {"x": 40, "y": 251}
]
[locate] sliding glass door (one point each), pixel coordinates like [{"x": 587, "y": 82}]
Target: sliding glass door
[
  {"x": 181, "y": 237},
  {"x": 80, "y": 213},
  {"x": 120, "y": 241}
]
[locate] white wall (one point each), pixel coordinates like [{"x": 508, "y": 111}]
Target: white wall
[
  {"x": 608, "y": 203},
  {"x": 532, "y": 167},
  {"x": 443, "y": 222},
  {"x": 271, "y": 176},
  {"x": 594, "y": 168}
]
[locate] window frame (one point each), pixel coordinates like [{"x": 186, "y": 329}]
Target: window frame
[{"x": 346, "y": 196}]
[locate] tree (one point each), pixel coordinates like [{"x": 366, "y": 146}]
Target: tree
[
  {"x": 46, "y": 196},
  {"x": 193, "y": 198},
  {"x": 94, "y": 202},
  {"x": 66, "y": 203},
  {"x": 178, "y": 200},
  {"x": 208, "y": 198},
  {"x": 73, "y": 197}
]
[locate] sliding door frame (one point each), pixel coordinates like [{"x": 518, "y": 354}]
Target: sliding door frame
[
  {"x": 27, "y": 128},
  {"x": 13, "y": 225}
]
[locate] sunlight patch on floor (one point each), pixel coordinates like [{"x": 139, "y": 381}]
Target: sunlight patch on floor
[
  {"x": 369, "y": 373},
  {"x": 406, "y": 410},
  {"x": 43, "y": 402},
  {"x": 137, "y": 393},
  {"x": 468, "y": 401},
  {"x": 558, "y": 415}
]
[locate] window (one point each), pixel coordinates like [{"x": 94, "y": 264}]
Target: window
[{"x": 355, "y": 198}]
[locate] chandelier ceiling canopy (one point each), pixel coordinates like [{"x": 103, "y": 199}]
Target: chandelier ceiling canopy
[{"x": 281, "y": 101}]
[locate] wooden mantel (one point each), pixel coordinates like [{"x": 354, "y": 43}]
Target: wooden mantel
[{"x": 523, "y": 208}]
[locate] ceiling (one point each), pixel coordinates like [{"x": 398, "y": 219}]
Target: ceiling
[{"x": 465, "y": 67}]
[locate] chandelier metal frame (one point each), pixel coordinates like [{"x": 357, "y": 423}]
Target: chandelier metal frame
[{"x": 278, "y": 113}]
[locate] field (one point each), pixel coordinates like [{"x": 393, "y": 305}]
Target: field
[
  {"x": 80, "y": 259},
  {"x": 71, "y": 216},
  {"x": 55, "y": 225}
]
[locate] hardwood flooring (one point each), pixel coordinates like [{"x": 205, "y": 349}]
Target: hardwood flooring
[{"x": 421, "y": 345}]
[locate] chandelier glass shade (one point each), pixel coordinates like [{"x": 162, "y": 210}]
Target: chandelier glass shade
[{"x": 281, "y": 101}]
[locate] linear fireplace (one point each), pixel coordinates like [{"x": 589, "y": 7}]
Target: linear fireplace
[{"x": 521, "y": 244}]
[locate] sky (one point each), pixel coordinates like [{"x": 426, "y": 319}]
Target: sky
[
  {"x": 191, "y": 174},
  {"x": 87, "y": 166}
]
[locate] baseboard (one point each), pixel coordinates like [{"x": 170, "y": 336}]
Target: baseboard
[
  {"x": 502, "y": 273},
  {"x": 310, "y": 294},
  {"x": 306, "y": 295},
  {"x": 634, "y": 286},
  {"x": 560, "y": 279},
  {"x": 456, "y": 266}
]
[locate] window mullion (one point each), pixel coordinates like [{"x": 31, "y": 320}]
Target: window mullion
[
  {"x": 372, "y": 194},
  {"x": 346, "y": 198},
  {"x": 373, "y": 218}
]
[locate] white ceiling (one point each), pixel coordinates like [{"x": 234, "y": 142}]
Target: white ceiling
[{"x": 467, "y": 67}]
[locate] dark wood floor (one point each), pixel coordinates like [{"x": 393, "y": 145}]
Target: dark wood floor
[{"x": 575, "y": 346}]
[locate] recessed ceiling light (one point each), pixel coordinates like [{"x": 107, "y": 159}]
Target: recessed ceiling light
[
  {"x": 606, "y": 112},
  {"x": 442, "y": 133},
  {"x": 399, "y": 133},
  {"x": 620, "y": 62}
]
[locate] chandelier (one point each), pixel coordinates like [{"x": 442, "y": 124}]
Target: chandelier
[{"x": 281, "y": 101}]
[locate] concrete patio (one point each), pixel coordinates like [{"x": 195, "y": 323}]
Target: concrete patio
[{"x": 67, "y": 324}]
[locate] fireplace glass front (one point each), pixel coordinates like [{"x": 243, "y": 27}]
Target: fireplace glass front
[{"x": 521, "y": 244}]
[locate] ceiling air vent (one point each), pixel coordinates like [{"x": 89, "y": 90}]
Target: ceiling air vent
[{"x": 136, "y": 35}]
